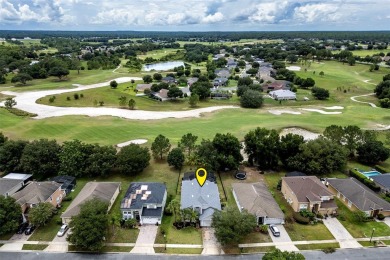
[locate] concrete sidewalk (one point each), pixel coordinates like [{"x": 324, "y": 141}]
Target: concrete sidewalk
[
  {"x": 283, "y": 242},
  {"x": 341, "y": 234}
]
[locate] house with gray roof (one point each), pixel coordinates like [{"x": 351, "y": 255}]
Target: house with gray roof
[
  {"x": 383, "y": 181},
  {"x": 37, "y": 192},
  {"x": 203, "y": 199},
  {"x": 222, "y": 73},
  {"x": 145, "y": 202},
  {"x": 258, "y": 200},
  {"x": 104, "y": 191},
  {"x": 358, "y": 196},
  {"x": 282, "y": 94},
  {"x": 308, "y": 193},
  {"x": 142, "y": 87},
  {"x": 8, "y": 187}
]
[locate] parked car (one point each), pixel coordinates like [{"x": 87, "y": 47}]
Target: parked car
[
  {"x": 22, "y": 227},
  {"x": 275, "y": 231},
  {"x": 62, "y": 230},
  {"x": 240, "y": 175},
  {"x": 29, "y": 229}
]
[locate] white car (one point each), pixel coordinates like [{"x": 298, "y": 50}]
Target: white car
[{"x": 62, "y": 230}]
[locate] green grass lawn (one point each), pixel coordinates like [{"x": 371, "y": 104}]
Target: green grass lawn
[
  {"x": 188, "y": 235},
  {"x": 6, "y": 236},
  {"x": 318, "y": 246},
  {"x": 121, "y": 249},
  {"x": 49, "y": 231},
  {"x": 260, "y": 249},
  {"x": 34, "y": 247},
  {"x": 360, "y": 229},
  {"x": 256, "y": 237},
  {"x": 178, "y": 251}
]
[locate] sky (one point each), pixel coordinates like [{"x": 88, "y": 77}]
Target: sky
[{"x": 195, "y": 15}]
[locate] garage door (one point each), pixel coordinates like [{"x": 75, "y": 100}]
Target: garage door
[
  {"x": 273, "y": 221},
  {"x": 205, "y": 223},
  {"x": 151, "y": 221}
]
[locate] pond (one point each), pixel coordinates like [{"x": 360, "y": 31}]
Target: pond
[{"x": 163, "y": 65}]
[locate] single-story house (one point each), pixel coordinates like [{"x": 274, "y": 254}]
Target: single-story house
[
  {"x": 277, "y": 85},
  {"x": 8, "y": 187},
  {"x": 203, "y": 199},
  {"x": 169, "y": 80},
  {"x": 105, "y": 191},
  {"x": 358, "y": 196},
  {"x": 283, "y": 95},
  {"x": 308, "y": 193},
  {"x": 218, "y": 82},
  {"x": 222, "y": 73},
  {"x": 191, "y": 81},
  {"x": 383, "y": 181},
  {"x": 161, "y": 95},
  {"x": 37, "y": 192},
  {"x": 145, "y": 202},
  {"x": 142, "y": 87},
  {"x": 258, "y": 200},
  {"x": 186, "y": 90},
  {"x": 67, "y": 182},
  {"x": 219, "y": 95}
]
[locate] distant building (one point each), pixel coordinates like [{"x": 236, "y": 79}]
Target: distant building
[{"x": 283, "y": 95}]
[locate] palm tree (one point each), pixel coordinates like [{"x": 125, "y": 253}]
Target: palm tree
[
  {"x": 174, "y": 208},
  {"x": 194, "y": 216}
]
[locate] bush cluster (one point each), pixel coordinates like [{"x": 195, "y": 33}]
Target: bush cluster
[
  {"x": 300, "y": 219},
  {"x": 359, "y": 176}
]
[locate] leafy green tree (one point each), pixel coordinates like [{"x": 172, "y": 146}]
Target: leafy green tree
[
  {"x": 41, "y": 213},
  {"x": 334, "y": 133},
  {"x": 193, "y": 100},
  {"x": 320, "y": 93},
  {"x": 262, "y": 147},
  {"x": 359, "y": 216},
  {"x": 122, "y": 101},
  {"x": 292, "y": 58},
  {"x": 321, "y": 73},
  {"x": 251, "y": 99},
  {"x": 241, "y": 90},
  {"x": 206, "y": 155},
  {"x": 132, "y": 104},
  {"x": 228, "y": 149},
  {"x": 10, "y": 103},
  {"x": 147, "y": 79},
  {"x": 175, "y": 92},
  {"x": 352, "y": 138},
  {"x": 160, "y": 146},
  {"x": 3, "y": 139},
  {"x": 372, "y": 152},
  {"x": 89, "y": 227},
  {"x": 22, "y": 78},
  {"x": 351, "y": 61},
  {"x": 41, "y": 158},
  {"x": 133, "y": 159},
  {"x": 289, "y": 146},
  {"x": 200, "y": 89},
  {"x": 157, "y": 76},
  {"x": 246, "y": 81},
  {"x": 100, "y": 161},
  {"x": 187, "y": 142},
  {"x": 10, "y": 155},
  {"x": 73, "y": 158},
  {"x": 10, "y": 215},
  {"x": 276, "y": 254},
  {"x": 176, "y": 158},
  {"x": 113, "y": 84},
  {"x": 231, "y": 225},
  {"x": 318, "y": 157},
  {"x": 174, "y": 208},
  {"x": 59, "y": 72},
  {"x": 307, "y": 83}
]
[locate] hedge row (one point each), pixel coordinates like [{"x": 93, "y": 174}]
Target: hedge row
[
  {"x": 300, "y": 219},
  {"x": 362, "y": 178},
  {"x": 380, "y": 169}
]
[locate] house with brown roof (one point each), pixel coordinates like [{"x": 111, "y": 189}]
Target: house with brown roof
[
  {"x": 104, "y": 191},
  {"x": 277, "y": 85},
  {"x": 258, "y": 200},
  {"x": 37, "y": 192},
  {"x": 142, "y": 87},
  {"x": 308, "y": 193},
  {"x": 161, "y": 95},
  {"x": 358, "y": 196}
]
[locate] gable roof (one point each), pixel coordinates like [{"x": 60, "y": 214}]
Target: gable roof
[
  {"x": 100, "y": 190},
  {"x": 8, "y": 184},
  {"x": 281, "y": 93},
  {"x": 141, "y": 193},
  {"x": 382, "y": 179},
  {"x": 256, "y": 199},
  {"x": 308, "y": 188},
  {"x": 18, "y": 176},
  {"x": 36, "y": 192},
  {"x": 142, "y": 87},
  {"x": 361, "y": 196},
  {"x": 193, "y": 195}
]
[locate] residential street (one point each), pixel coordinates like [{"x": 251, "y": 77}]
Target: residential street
[
  {"x": 284, "y": 237},
  {"x": 340, "y": 233}
]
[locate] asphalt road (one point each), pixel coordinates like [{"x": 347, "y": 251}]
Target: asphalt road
[{"x": 342, "y": 254}]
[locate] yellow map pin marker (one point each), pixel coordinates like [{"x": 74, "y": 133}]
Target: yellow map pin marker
[{"x": 201, "y": 176}]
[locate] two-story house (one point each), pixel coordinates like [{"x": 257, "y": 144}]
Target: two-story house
[
  {"x": 308, "y": 193},
  {"x": 145, "y": 202}
]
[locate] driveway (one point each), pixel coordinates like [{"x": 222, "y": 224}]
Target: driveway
[
  {"x": 145, "y": 241},
  {"x": 387, "y": 221},
  {"x": 58, "y": 244},
  {"x": 210, "y": 243},
  {"x": 17, "y": 243},
  {"x": 283, "y": 242},
  {"x": 341, "y": 234}
]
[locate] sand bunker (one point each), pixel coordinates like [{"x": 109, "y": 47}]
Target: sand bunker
[
  {"x": 334, "y": 107},
  {"x": 294, "y": 68},
  {"x": 279, "y": 112},
  {"x": 135, "y": 141},
  {"x": 321, "y": 111},
  {"x": 307, "y": 135}
]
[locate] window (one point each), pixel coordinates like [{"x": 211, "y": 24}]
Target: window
[
  {"x": 349, "y": 203},
  {"x": 338, "y": 194},
  {"x": 302, "y": 206}
]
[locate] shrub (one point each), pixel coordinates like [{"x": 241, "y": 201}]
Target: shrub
[
  {"x": 300, "y": 219},
  {"x": 380, "y": 169},
  {"x": 341, "y": 216},
  {"x": 81, "y": 95},
  {"x": 319, "y": 215},
  {"x": 329, "y": 250},
  {"x": 68, "y": 98},
  {"x": 67, "y": 198},
  {"x": 51, "y": 99},
  {"x": 381, "y": 216},
  {"x": 76, "y": 96},
  {"x": 362, "y": 178},
  {"x": 264, "y": 229},
  {"x": 101, "y": 103},
  {"x": 307, "y": 214},
  {"x": 360, "y": 216}
]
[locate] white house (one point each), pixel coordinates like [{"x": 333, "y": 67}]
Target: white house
[{"x": 283, "y": 94}]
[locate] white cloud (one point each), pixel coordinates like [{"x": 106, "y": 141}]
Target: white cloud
[
  {"x": 267, "y": 12},
  {"x": 320, "y": 12},
  {"x": 213, "y": 18}
]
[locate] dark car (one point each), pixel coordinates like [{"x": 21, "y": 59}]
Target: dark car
[
  {"x": 22, "y": 228},
  {"x": 29, "y": 230},
  {"x": 240, "y": 175}
]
